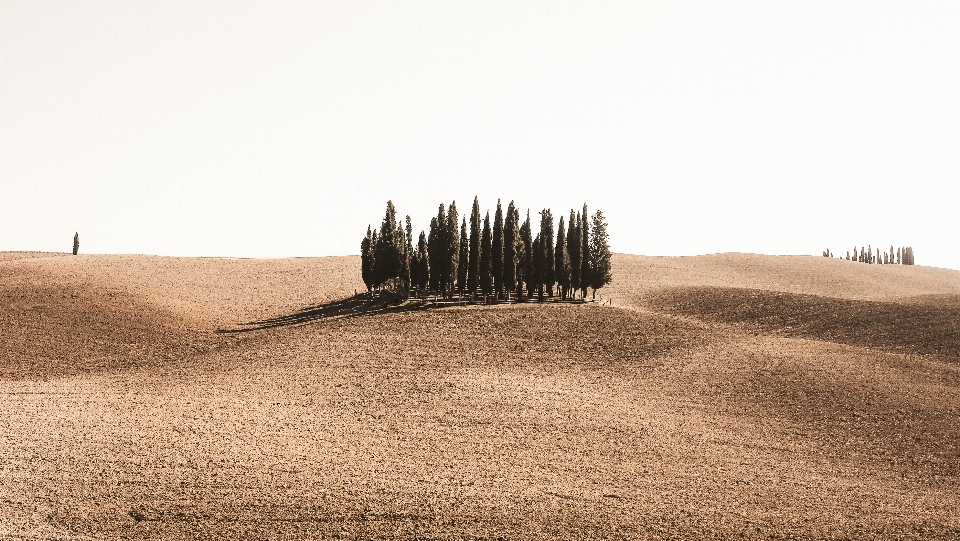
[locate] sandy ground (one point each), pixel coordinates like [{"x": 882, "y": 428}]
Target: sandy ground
[{"x": 694, "y": 407}]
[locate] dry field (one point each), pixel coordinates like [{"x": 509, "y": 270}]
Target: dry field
[{"x": 719, "y": 397}]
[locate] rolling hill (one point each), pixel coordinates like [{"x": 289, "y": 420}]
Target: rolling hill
[{"x": 722, "y": 397}]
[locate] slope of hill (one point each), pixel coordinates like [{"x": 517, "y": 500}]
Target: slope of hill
[{"x": 719, "y": 397}]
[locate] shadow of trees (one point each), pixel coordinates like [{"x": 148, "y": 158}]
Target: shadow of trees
[
  {"x": 351, "y": 307},
  {"x": 383, "y": 303}
]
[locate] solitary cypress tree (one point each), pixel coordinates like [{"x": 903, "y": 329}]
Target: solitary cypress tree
[
  {"x": 473, "y": 276},
  {"x": 76, "y": 243},
  {"x": 548, "y": 276},
  {"x": 454, "y": 239},
  {"x": 496, "y": 247},
  {"x": 511, "y": 234},
  {"x": 486, "y": 259},
  {"x": 585, "y": 264},
  {"x": 562, "y": 261},
  {"x": 600, "y": 254},
  {"x": 464, "y": 259},
  {"x": 573, "y": 246},
  {"x": 527, "y": 265}
]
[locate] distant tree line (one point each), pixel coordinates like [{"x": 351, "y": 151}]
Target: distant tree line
[
  {"x": 502, "y": 259},
  {"x": 903, "y": 255}
]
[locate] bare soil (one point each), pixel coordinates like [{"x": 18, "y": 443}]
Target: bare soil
[{"x": 719, "y": 397}]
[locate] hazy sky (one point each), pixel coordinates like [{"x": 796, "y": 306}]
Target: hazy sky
[{"x": 256, "y": 128}]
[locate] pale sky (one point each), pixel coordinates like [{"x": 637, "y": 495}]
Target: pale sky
[{"x": 273, "y": 129}]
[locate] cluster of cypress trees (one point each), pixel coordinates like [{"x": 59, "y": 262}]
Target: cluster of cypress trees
[
  {"x": 499, "y": 259},
  {"x": 903, "y": 255}
]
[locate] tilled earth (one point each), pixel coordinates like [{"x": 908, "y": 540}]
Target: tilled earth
[{"x": 688, "y": 409}]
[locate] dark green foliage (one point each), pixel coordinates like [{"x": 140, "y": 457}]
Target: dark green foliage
[
  {"x": 423, "y": 269},
  {"x": 600, "y": 257},
  {"x": 453, "y": 239},
  {"x": 406, "y": 258},
  {"x": 536, "y": 274},
  {"x": 527, "y": 256},
  {"x": 585, "y": 263},
  {"x": 496, "y": 252},
  {"x": 562, "y": 261},
  {"x": 574, "y": 247},
  {"x": 437, "y": 244},
  {"x": 473, "y": 276},
  {"x": 366, "y": 259},
  {"x": 76, "y": 243},
  {"x": 548, "y": 274},
  {"x": 486, "y": 261},
  {"x": 388, "y": 253},
  {"x": 492, "y": 257},
  {"x": 436, "y": 249},
  {"x": 511, "y": 234},
  {"x": 464, "y": 259}
]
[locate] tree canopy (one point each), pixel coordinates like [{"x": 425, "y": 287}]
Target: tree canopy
[{"x": 498, "y": 258}]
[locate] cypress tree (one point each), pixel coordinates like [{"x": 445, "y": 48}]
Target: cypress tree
[
  {"x": 573, "y": 247},
  {"x": 527, "y": 254},
  {"x": 600, "y": 254},
  {"x": 464, "y": 259},
  {"x": 486, "y": 259},
  {"x": 423, "y": 269},
  {"x": 454, "y": 239},
  {"x": 548, "y": 274},
  {"x": 374, "y": 278},
  {"x": 366, "y": 259},
  {"x": 585, "y": 263},
  {"x": 76, "y": 243},
  {"x": 562, "y": 261},
  {"x": 496, "y": 247},
  {"x": 388, "y": 252},
  {"x": 898, "y": 256},
  {"x": 437, "y": 246},
  {"x": 537, "y": 270},
  {"x": 406, "y": 260},
  {"x": 473, "y": 276},
  {"x": 511, "y": 234},
  {"x": 415, "y": 270}
]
